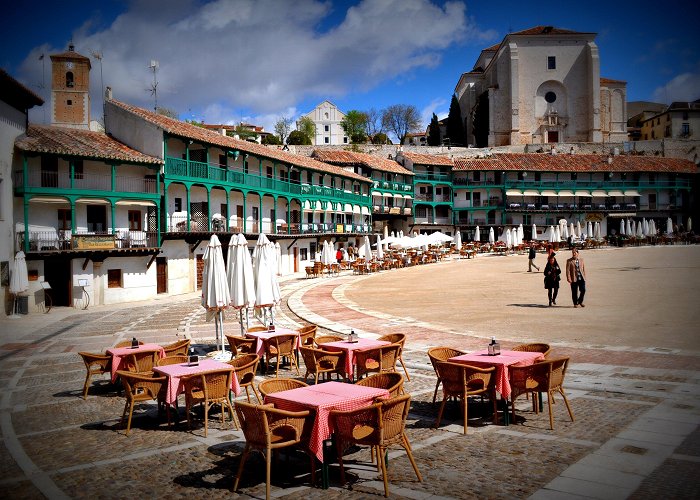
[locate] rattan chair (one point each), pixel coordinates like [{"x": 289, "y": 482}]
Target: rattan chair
[
  {"x": 244, "y": 367},
  {"x": 320, "y": 362},
  {"x": 267, "y": 429},
  {"x": 545, "y": 376},
  {"x": 257, "y": 329},
  {"x": 209, "y": 388},
  {"x": 392, "y": 382},
  {"x": 397, "y": 338},
  {"x": 139, "y": 388},
  {"x": 307, "y": 335},
  {"x": 437, "y": 354},
  {"x": 241, "y": 346},
  {"x": 543, "y": 348},
  {"x": 179, "y": 348},
  {"x": 140, "y": 361},
  {"x": 377, "y": 359},
  {"x": 126, "y": 343},
  {"x": 278, "y": 347},
  {"x": 172, "y": 360},
  {"x": 461, "y": 381},
  {"x": 378, "y": 426},
  {"x": 278, "y": 385},
  {"x": 324, "y": 339},
  {"x": 95, "y": 364}
]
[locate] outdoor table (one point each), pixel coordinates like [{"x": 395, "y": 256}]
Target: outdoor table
[
  {"x": 260, "y": 336},
  {"x": 501, "y": 363},
  {"x": 176, "y": 372},
  {"x": 350, "y": 348},
  {"x": 322, "y": 399},
  {"x": 119, "y": 353}
]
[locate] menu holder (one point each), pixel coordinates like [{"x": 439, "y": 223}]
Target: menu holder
[{"x": 193, "y": 360}]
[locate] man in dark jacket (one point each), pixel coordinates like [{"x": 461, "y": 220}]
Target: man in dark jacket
[{"x": 531, "y": 259}]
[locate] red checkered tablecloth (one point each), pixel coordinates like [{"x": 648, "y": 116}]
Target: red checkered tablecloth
[
  {"x": 259, "y": 336},
  {"x": 177, "y": 371},
  {"x": 323, "y": 398},
  {"x": 501, "y": 362},
  {"x": 350, "y": 348},
  {"x": 119, "y": 353}
]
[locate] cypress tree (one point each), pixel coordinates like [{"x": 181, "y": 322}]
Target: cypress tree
[
  {"x": 434, "y": 131},
  {"x": 455, "y": 127}
]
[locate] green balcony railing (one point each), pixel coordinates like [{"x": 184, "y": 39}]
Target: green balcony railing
[
  {"x": 602, "y": 185},
  {"x": 433, "y": 177},
  {"x": 395, "y": 187}
]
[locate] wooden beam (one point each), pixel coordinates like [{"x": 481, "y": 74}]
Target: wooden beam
[
  {"x": 153, "y": 258},
  {"x": 85, "y": 263}
]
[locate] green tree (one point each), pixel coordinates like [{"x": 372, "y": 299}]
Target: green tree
[
  {"x": 455, "y": 126},
  {"x": 271, "y": 139},
  {"x": 297, "y": 137},
  {"x": 380, "y": 138},
  {"x": 400, "y": 119},
  {"x": 306, "y": 126},
  {"x": 434, "y": 131},
  {"x": 355, "y": 126},
  {"x": 282, "y": 128}
]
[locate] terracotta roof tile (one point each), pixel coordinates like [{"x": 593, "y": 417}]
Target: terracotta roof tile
[
  {"x": 76, "y": 142},
  {"x": 546, "y": 162},
  {"x": 189, "y": 131},
  {"x": 603, "y": 81},
  {"x": 423, "y": 159},
  {"x": 354, "y": 158},
  {"x": 17, "y": 95},
  {"x": 546, "y": 30}
]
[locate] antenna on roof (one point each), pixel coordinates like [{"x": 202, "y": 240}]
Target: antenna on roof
[{"x": 154, "y": 87}]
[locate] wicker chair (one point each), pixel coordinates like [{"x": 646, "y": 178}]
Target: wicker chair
[
  {"x": 278, "y": 347},
  {"x": 95, "y": 364},
  {"x": 257, "y": 329},
  {"x": 377, "y": 426},
  {"x": 320, "y": 362},
  {"x": 209, "y": 388},
  {"x": 172, "y": 360},
  {"x": 241, "y": 345},
  {"x": 278, "y": 385},
  {"x": 126, "y": 343},
  {"x": 545, "y": 376},
  {"x": 461, "y": 381},
  {"x": 324, "y": 339},
  {"x": 307, "y": 335},
  {"x": 267, "y": 429},
  {"x": 397, "y": 338},
  {"x": 244, "y": 368},
  {"x": 179, "y": 348},
  {"x": 437, "y": 354},
  {"x": 139, "y": 388},
  {"x": 543, "y": 348},
  {"x": 377, "y": 359},
  {"x": 392, "y": 382},
  {"x": 140, "y": 361}
]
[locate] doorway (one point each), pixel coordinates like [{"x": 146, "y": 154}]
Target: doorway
[
  {"x": 552, "y": 136},
  {"x": 96, "y": 219},
  {"x": 162, "y": 274},
  {"x": 57, "y": 273}
]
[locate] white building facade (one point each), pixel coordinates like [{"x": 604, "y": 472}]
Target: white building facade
[{"x": 327, "y": 117}]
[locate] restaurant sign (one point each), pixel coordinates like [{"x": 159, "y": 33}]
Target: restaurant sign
[{"x": 93, "y": 242}]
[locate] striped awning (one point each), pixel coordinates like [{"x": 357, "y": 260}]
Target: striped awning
[
  {"x": 514, "y": 192},
  {"x": 600, "y": 193},
  {"x": 399, "y": 196},
  {"x": 531, "y": 192},
  {"x": 565, "y": 193},
  {"x": 376, "y": 193},
  {"x": 632, "y": 192},
  {"x": 615, "y": 193},
  {"x": 549, "y": 193},
  {"x": 583, "y": 193},
  {"x": 387, "y": 195}
]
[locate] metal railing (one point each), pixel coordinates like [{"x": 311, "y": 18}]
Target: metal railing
[{"x": 86, "y": 181}]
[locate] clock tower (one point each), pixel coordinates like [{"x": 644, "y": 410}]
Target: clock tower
[{"x": 70, "y": 89}]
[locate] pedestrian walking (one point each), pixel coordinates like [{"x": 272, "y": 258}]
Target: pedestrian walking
[
  {"x": 576, "y": 276},
  {"x": 531, "y": 259},
  {"x": 552, "y": 276}
]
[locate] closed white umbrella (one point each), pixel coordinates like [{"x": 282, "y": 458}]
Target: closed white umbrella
[
  {"x": 640, "y": 233},
  {"x": 267, "y": 289},
  {"x": 491, "y": 237},
  {"x": 477, "y": 234},
  {"x": 669, "y": 226},
  {"x": 521, "y": 234},
  {"x": 689, "y": 225},
  {"x": 564, "y": 231},
  {"x": 534, "y": 232},
  {"x": 578, "y": 228},
  {"x": 368, "y": 246},
  {"x": 551, "y": 234},
  {"x": 278, "y": 257},
  {"x": 597, "y": 231},
  {"x": 630, "y": 231},
  {"x": 589, "y": 229},
  {"x": 557, "y": 234},
  {"x": 19, "y": 279},
  {"x": 653, "y": 227},
  {"x": 572, "y": 231},
  {"x": 326, "y": 254},
  {"x": 509, "y": 238},
  {"x": 380, "y": 250},
  {"x": 386, "y": 232},
  {"x": 239, "y": 275},
  {"x": 645, "y": 227},
  {"x": 458, "y": 240},
  {"x": 216, "y": 295}
]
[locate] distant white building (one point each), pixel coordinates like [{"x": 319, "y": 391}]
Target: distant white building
[{"x": 327, "y": 117}]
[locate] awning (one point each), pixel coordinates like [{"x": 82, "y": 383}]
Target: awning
[
  {"x": 376, "y": 193},
  {"x": 531, "y": 192},
  {"x": 348, "y": 208},
  {"x": 602, "y": 194},
  {"x": 582, "y": 193},
  {"x": 387, "y": 195},
  {"x": 144, "y": 203},
  {"x": 365, "y": 211},
  {"x": 632, "y": 192},
  {"x": 307, "y": 206},
  {"x": 565, "y": 193},
  {"x": 318, "y": 207},
  {"x": 356, "y": 209},
  {"x": 399, "y": 196},
  {"x": 549, "y": 193},
  {"x": 408, "y": 196},
  {"x": 615, "y": 193},
  {"x": 49, "y": 200},
  {"x": 514, "y": 192},
  {"x": 92, "y": 201}
]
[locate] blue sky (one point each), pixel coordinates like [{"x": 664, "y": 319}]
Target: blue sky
[{"x": 257, "y": 60}]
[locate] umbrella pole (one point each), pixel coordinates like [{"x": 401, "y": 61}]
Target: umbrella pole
[
  {"x": 221, "y": 327},
  {"x": 240, "y": 313}
]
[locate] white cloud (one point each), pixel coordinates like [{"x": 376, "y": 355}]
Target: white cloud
[
  {"x": 261, "y": 56},
  {"x": 436, "y": 106},
  {"x": 684, "y": 87}
]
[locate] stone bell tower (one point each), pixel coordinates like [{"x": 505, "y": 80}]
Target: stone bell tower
[{"x": 70, "y": 89}]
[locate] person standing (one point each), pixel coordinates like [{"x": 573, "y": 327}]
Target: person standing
[
  {"x": 531, "y": 258},
  {"x": 552, "y": 276},
  {"x": 576, "y": 276}
]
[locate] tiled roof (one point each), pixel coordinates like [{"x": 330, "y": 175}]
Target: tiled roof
[
  {"x": 422, "y": 159},
  {"x": 75, "y": 142},
  {"x": 353, "y": 158},
  {"x": 199, "y": 134},
  {"x": 546, "y": 162},
  {"x": 492, "y": 48},
  {"x": 546, "y": 30},
  {"x": 603, "y": 81},
  {"x": 15, "y": 94}
]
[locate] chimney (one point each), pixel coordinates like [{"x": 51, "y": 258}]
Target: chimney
[
  {"x": 222, "y": 131},
  {"x": 108, "y": 93}
]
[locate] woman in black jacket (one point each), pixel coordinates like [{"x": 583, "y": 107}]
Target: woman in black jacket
[{"x": 552, "y": 273}]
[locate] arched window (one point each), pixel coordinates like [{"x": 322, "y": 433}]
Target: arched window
[{"x": 69, "y": 79}]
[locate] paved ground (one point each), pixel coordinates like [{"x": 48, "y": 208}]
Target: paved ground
[{"x": 633, "y": 385}]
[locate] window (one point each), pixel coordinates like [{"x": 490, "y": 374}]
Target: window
[
  {"x": 114, "y": 278},
  {"x": 222, "y": 161},
  {"x": 574, "y": 176},
  {"x": 550, "y": 97},
  {"x": 345, "y": 140},
  {"x": 255, "y": 214},
  {"x": 551, "y": 62},
  {"x": 303, "y": 255},
  {"x": 326, "y": 128},
  {"x": 312, "y": 249},
  {"x": 685, "y": 115},
  {"x": 476, "y": 176},
  {"x": 69, "y": 102},
  {"x": 269, "y": 172},
  {"x": 178, "y": 204},
  {"x": 135, "y": 220},
  {"x": 420, "y": 211},
  {"x": 78, "y": 169},
  {"x": 538, "y": 176},
  {"x": 224, "y": 210},
  {"x": 64, "y": 219},
  {"x": 667, "y": 131},
  {"x": 69, "y": 80},
  {"x": 326, "y": 140},
  {"x": 685, "y": 129}
]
